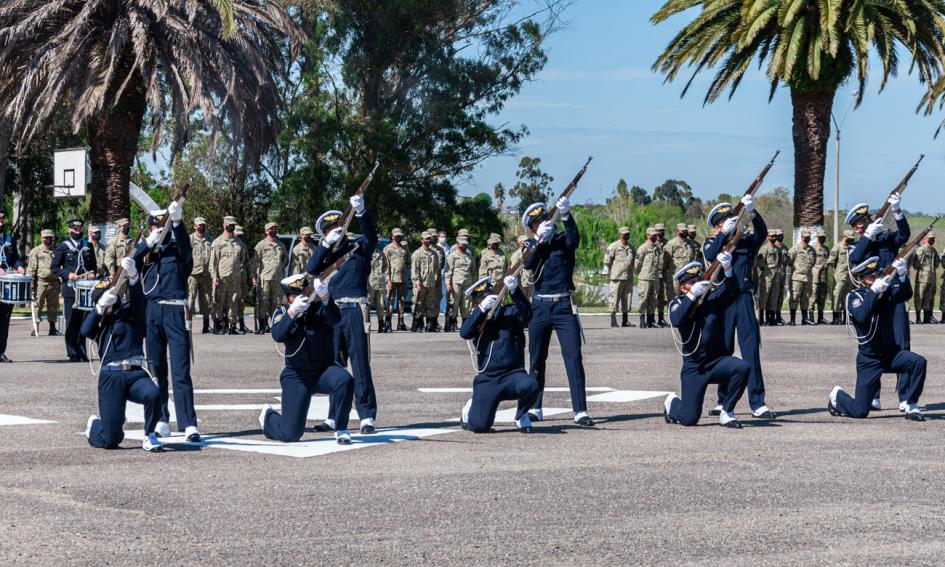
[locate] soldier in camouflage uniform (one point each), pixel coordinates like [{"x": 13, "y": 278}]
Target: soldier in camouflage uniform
[
  {"x": 842, "y": 284},
  {"x": 424, "y": 266},
  {"x": 118, "y": 247},
  {"x": 693, "y": 234},
  {"x": 800, "y": 269},
  {"x": 666, "y": 291},
  {"x": 680, "y": 252},
  {"x": 769, "y": 265},
  {"x": 377, "y": 291},
  {"x": 525, "y": 282},
  {"x": 302, "y": 252},
  {"x": 925, "y": 261},
  {"x": 439, "y": 248},
  {"x": 819, "y": 286},
  {"x": 228, "y": 260},
  {"x": 200, "y": 284},
  {"x": 783, "y": 281},
  {"x": 461, "y": 265},
  {"x": 246, "y": 281},
  {"x": 398, "y": 262},
  {"x": 618, "y": 264},
  {"x": 762, "y": 285},
  {"x": 268, "y": 268},
  {"x": 45, "y": 282},
  {"x": 941, "y": 297},
  {"x": 493, "y": 262},
  {"x": 95, "y": 243},
  {"x": 649, "y": 265}
]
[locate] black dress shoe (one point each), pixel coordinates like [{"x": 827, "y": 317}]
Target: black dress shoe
[
  {"x": 667, "y": 418},
  {"x": 734, "y": 424},
  {"x": 4, "y": 358},
  {"x": 832, "y": 409},
  {"x": 585, "y": 421},
  {"x": 322, "y": 428},
  {"x": 767, "y": 414},
  {"x": 367, "y": 429},
  {"x": 526, "y": 430},
  {"x": 74, "y": 358},
  {"x": 915, "y": 416}
]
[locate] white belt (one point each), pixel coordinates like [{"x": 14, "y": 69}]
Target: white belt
[
  {"x": 553, "y": 296},
  {"x": 128, "y": 363},
  {"x": 180, "y": 302},
  {"x": 351, "y": 300}
]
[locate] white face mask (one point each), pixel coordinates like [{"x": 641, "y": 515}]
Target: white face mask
[{"x": 442, "y": 241}]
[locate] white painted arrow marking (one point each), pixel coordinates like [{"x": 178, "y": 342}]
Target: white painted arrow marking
[
  {"x": 623, "y": 396},
  {"x": 461, "y": 390},
  {"x": 19, "y": 420}
]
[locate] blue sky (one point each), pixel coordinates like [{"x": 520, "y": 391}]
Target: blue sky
[{"x": 597, "y": 96}]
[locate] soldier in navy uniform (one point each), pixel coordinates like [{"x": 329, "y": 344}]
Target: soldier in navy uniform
[
  {"x": 706, "y": 357},
  {"x": 553, "y": 308},
  {"x": 306, "y": 331},
  {"x": 119, "y": 329},
  {"x": 10, "y": 261},
  {"x": 348, "y": 288},
  {"x": 74, "y": 260},
  {"x": 740, "y": 314},
  {"x": 874, "y": 240},
  {"x": 872, "y": 311},
  {"x": 501, "y": 357},
  {"x": 165, "y": 285}
]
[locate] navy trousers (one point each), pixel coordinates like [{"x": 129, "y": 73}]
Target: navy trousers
[
  {"x": 869, "y": 370},
  {"x": 5, "y": 311},
  {"x": 904, "y": 341},
  {"x": 115, "y": 388},
  {"x": 548, "y": 316},
  {"x": 168, "y": 331},
  {"x": 740, "y": 317},
  {"x": 298, "y": 387},
  {"x": 351, "y": 342},
  {"x": 730, "y": 373},
  {"x": 75, "y": 344},
  {"x": 489, "y": 390}
]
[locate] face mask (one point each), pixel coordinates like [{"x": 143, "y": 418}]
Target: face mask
[
  {"x": 462, "y": 247},
  {"x": 272, "y": 233},
  {"x": 307, "y": 238},
  {"x": 75, "y": 235},
  {"x": 822, "y": 239},
  {"x": 493, "y": 246},
  {"x": 201, "y": 229},
  {"x": 684, "y": 235},
  {"x": 96, "y": 236},
  {"x": 654, "y": 238},
  {"x": 126, "y": 230},
  {"x": 806, "y": 240},
  {"x": 48, "y": 241},
  {"x": 442, "y": 241},
  {"x": 230, "y": 227}
]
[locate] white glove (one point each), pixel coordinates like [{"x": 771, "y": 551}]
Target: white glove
[
  {"x": 176, "y": 212},
  {"x": 880, "y": 286},
  {"x": 299, "y": 306},
  {"x": 749, "y": 202},
  {"x": 546, "y": 230},
  {"x": 321, "y": 288},
  {"x": 895, "y": 202},
  {"x": 729, "y": 225},
  {"x": 564, "y": 205},
  {"x": 105, "y": 302},
  {"x": 725, "y": 258},
  {"x": 154, "y": 237},
  {"x": 488, "y": 303},
  {"x": 357, "y": 204},
  {"x": 698, "y": 289},
  {"x": 902, "y": 268},
  {"x": 873, "y": 229},
  {"x": 333, "y": 236},
  {"x": 128, "y": 265},
  {"x": 511, "y": 283}
]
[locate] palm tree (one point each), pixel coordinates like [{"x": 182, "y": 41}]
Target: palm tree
[
  {"x": 812, "y": 47},
  {"x": 108, "y": 64}
]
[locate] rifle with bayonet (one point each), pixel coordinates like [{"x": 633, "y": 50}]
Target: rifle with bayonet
[
  {"x": 553, "y": 214},
  {"x": 884, "y": 210}
]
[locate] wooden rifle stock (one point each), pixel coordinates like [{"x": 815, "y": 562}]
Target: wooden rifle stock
[
  {"x": 330, "y": 271},
  {"x": 884, "y": 210},
  {"x": 906, "y": 251}
]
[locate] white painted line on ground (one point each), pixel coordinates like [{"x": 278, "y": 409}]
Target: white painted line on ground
[
  {"x": 19, "y": 420},
  {"x": 508, "y": 415},
  {"x": 317, "y": 410},
  {"x": 461, "y": 390},
  {"x": 622, "y": 396},
  {"x": 239, "y": 391},
  {"x": 312, "y": 447}
]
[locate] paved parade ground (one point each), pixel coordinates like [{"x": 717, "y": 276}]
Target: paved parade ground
[{"x": 805, "y": 489}]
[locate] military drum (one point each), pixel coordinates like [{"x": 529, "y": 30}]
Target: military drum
[{"x": 16, "y": 289}]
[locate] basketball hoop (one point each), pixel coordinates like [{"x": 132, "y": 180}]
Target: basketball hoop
[{"x": 71, "y": 173}]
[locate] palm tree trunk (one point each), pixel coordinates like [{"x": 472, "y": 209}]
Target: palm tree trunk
[
  {"x": 113, "y": 140},
  {"x": 811, "y": 133}
]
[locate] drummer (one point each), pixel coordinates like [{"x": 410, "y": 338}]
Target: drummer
[
  {"x": 73, "y": 261},
  {"x": 10, "y": 263}
]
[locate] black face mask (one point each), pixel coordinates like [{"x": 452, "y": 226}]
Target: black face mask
[
  {"x": 493, "y": 246},
  {"x": 75, "y": 235},
  {"x": 96, "y": 236},
  {"x": 822, "y": 240},
  {"x": 684, "y": 235},
  {"x": 462, "y": 247},
  {"x": 624, "y": 237},
  {"x": 806, "y": 240},
  {"x": 306, "y": 239},
  {"x": 654, "y": 238},
  {"x": 230, "y": 228},
  {"x": 272, "y": 233},
  {"x": 201, "y": 229},
  {"x": 126, "y": 230},
  {"x": 398, "y": 239},
  {"x": 48, "y": 241}
]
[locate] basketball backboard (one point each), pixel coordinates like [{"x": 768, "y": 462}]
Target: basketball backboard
[{"x": 71, "y": 172}]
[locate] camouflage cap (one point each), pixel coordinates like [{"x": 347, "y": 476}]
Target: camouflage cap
[
  {"x": 850, "y": 234},
  {"x": 660, "y": 226},
  {"x": 238, "y": 231},
  {"x": 121, "y": 222},
  {"x": 271, "y": 225},
  {"x": 229, "y": 220},
  {"x": 425, "y": 234},
  {"x": 692, "y": 228},
  {"x": 200, "y": 220},
  {"x": 95, "y": 228},
  {"x": 931, "y": 234},
  {"x": 494, "y": 238},
  {"x": 306, "y": 230},
  {"x": 682, "y": 226},
  {"x": 462, "y": 240},
  {"x": 522, "y": 238},
  {"x": 47, "y": 234},
  {"x": 432, "y": 231},
  {"x": 397, "y": 232},
  {"x": 651, "y": 231},
  {"x": 804, "y": 233},
  {"x": 821, "y": 232},
  {"x": 463, "y": 232},
  {"x": 623, "y": 230}
]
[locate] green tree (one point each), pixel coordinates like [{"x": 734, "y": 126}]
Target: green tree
[
  {"x": 533, "y": 184},
  {"x": 498, "y": 193},
  {"x": 810, "y": 47},
  {"x": 675, "y": 192},
  {"x": 108, "y": 65},
  {"x": 477, "y": 215},
  {"x": 639, "y": 196}
]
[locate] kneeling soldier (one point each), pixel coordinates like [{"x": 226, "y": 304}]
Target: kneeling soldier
[
  {"x": 306, "y": 330},
  {"x": 501, "y": 357},
  {"x": 119, "y": 329},
  {"x": 872, "y": 311},
  {"x": 705, "y": 355}
]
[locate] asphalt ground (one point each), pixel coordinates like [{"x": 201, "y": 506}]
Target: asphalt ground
[{"x": 807, "y": 488}]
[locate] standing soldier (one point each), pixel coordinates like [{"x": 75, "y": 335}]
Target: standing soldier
[
  {"x": 459, "y": 274},
  {"x": 819, "y": 285},
  {"x": 73, "y": 261},
  {"x": 200, "y": 284},
  {"x": 398, "y": 263},
  {"x": 227, "y": 262},
  {"x": 268, "y": 270},
  {"x": 45, "y": 282},
  {"x": 782, "y": 274},
  {"x": 302, "y": 252},
  {"x": 377, "y": 291},
  {"x": 770, "y": 262},
  {"x": 647, "y": 265},
  {"x": 697, "y": 248},
  {"x": 680, "y": 253},
  {"x": 926, "y": 262},
  {"x": 493, "y": 262},
  {"x": 665, "y": 289},
  {"x": 95, "y": 243},
  {"x": 424, "y": 266},
  {"x": 841, "y": 276},
  {"x": 762, "y": 277},
  {"x": 118, "y": 247},
  {"x": 247, "y": 283},
  {"x": 439, "y": 248},
  {"x": 801, "y": 259},
  {"x": 618, "y": 264},
  {"x": 525, "y": 276}
]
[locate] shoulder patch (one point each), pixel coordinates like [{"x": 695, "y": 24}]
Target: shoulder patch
[{"x": 856, "y": 302}]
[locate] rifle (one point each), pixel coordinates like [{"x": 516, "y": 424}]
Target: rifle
[
  {"x": 884, "y": 210},
  {"x": 120, "y": 277},
  {"x": 756, "y": 184},
  {"x": 329, "y": 271},
  {"x": 34, "y": 317},
  {"x": 181, "y": 197},
  {"x": 553, "y": 214},
  {"x": 909, "y": 249},
  {"x": 348, "y": 212}
]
